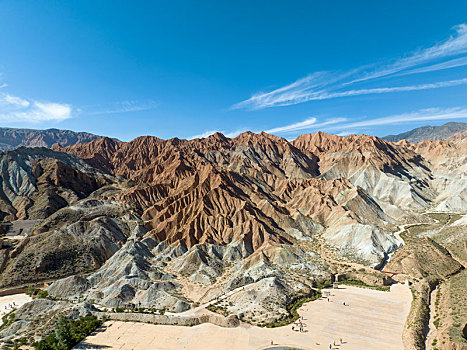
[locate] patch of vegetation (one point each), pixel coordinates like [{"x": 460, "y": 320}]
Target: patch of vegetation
[
  {"x": 444, "y": 218},
  {"x": 31, "y": 291},
  {"x": 357, "y": 283},
  {"x": 292, "y": 310},
  {"x": 218, "y": 308},
  {"x": 419, "y": 314},
  {"x": 417, "y": 229},
  {"x": 458, "y": 305},
  {"x": 68, "y": 333},
  {"x": 42, "y": 294},
  {"x": 323, "y": 284},
  {"x": 8, "y": 319}
]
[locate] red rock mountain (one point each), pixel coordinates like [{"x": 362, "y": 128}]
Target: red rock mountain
[{"x": 254, "y": 188}]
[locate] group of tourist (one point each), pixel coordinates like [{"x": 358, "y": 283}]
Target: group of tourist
[
  {"x": 10, "y": 306},
  {"x": 334, "y": 343},
  {"x": 300, "y": 325}
]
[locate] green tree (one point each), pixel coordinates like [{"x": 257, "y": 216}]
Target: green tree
[
  {"x": 31, "y": 290},
  {"x": 63, "y": 333},
  {"x": 42, "y": 294}
]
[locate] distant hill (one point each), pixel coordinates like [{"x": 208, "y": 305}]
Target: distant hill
[
  {"x": 430, "y": 133},
  {"x": 11, "y": 138}
]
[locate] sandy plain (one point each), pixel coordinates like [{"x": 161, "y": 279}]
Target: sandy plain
[{"x": 370, "y": 320}]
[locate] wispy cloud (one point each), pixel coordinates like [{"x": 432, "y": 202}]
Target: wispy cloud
[
  {"x": 456, "y": 62},
  {"x": 203, "y": 135},
  {"x": 310, "y": 123},
  {"x": 229, "y": 134},
  {"x": 346, "y": 133},
  {"x": 343, "y": 127},
  {"x": 17, "y": 109},
  {"x": 118, "y": 107},
  {"x": 327, "y": 85},
  {"x": 429, "y": 114}
]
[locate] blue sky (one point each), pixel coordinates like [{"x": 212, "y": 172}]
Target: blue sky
[{"x": 188, "y": 68}]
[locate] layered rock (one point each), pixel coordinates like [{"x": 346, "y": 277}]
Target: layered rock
[
  {"x": 36, "y": 182},
  {"x": 396, "y": 176},
  {"x": 257, "y": 189},
  {"x": 80, "y": 240}
]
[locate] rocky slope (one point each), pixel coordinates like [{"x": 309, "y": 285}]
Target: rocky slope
[
  {"x": 430, "y": 133},
  {"x": 11, "y": 138},
  {"x": 35, "y": 182},
  {"x": 448, "y": 164}
]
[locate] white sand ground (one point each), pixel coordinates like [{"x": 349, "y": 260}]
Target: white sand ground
[
  {"x": 6, "y": 300},
  {"x": 372, "y": 320}
]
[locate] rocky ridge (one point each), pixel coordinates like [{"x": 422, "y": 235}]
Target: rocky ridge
[
  {"x": 11, "y": 138},
  {"x": 431, "y": 133}
]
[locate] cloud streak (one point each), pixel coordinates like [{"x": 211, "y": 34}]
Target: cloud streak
[
  {"x": 328, "y": 85},
  {"x": 119, "y": 107},
  {"x": 17, "y": 109},
  {"x": 342, "y": 126},
  {"x": 310, "y": 123},
  {"x": 428, "y": 114}
]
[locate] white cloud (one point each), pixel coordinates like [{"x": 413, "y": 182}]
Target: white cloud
[
  {"x": 454, "y": 45},
  {"x": 203, "y": 135},
  {"x": 304, "y": 125},
  {"x": 420, "y": 115},
  {"x": 292, "y": 127},
  {"x": 235, "y": 133},
  {"x": 456, "y": 62},
  {"x": 346, "y": 133},
  {"x": 392, "y": 89},
  {"x": 16, "y": 101},
  {"x": 342, "y": 128},
  {"x": 16, "y": 109},
  {"x": 327, "y": 85},
  {"x": 230, "y": 134}
]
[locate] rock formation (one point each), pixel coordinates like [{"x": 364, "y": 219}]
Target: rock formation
[{"x": 165, "y": 224}]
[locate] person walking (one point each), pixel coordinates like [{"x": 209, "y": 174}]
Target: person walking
[
  {"x": 330, "y": 346},
  {"x": 340, "y": 340}
]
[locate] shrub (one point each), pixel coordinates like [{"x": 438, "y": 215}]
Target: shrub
[
  {"x": 42, "y": 294},
  {"x": 68, "y": 333},
  {"x": 31, "y": 291}
]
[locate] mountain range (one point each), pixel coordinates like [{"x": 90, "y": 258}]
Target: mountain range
[
  {"x": 169, "y": 224},
  {"x": 430, "y": 133},
  {"x": 11, "y": 138}
]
